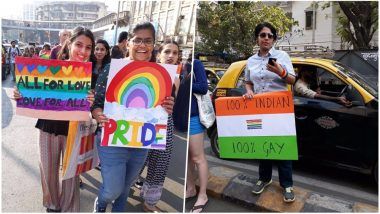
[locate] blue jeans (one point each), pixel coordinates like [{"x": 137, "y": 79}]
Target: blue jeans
[
  {"x": 285, "y": 172},
  {"x": 120, "y": 168},
  {"x": 12, "y": 68}
]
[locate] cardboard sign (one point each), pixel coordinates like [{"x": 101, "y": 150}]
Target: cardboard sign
[
  {"x": 135, "y": 92},
  {"x": 53, "y": 89},
  {"x": 260, "y": 128},
  {"x": 80, "y": 154}
]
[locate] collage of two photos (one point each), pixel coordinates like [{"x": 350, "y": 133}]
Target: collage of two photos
[{"x": 189, "y": 106}]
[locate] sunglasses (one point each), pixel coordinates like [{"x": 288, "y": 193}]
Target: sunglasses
[{"x": 263, "y": 35}]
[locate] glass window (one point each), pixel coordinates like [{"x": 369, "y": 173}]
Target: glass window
[
  {"x": 309, "y": 20},
  {"x": 170, "y": 23}
]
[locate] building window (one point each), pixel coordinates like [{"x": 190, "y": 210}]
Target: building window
[
  {"x": 309, "y": 20},
  {"x": 163, "y": 5}
]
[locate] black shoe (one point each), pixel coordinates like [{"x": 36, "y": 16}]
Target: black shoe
[
  {"x": 99, "y": 167},
  {"x": 80, "y": 183},
  {"x": 48, "y": 210},
  {"x": 289, "y": 195},
  {"x": 139, "y": 184},
  {"x": 260, "y": 185},
  {"x": 97, "y": 209}
]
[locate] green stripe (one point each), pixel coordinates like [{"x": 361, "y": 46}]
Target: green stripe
[{"x": 259, "y": 147}]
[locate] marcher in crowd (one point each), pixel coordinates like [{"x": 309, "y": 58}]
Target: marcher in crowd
[
  {"x": 64, "y": 34},
  {"x": 302, "y": 88},
  {"x": 26, "y": 52},
  {"x": 32, "y": 52},
  {"x": 61, "y": 196},
  {"x": 119, "y": 51},
  {"x": 196, "y": 143},
  {"x": 12, "y": 53},
  {"x": 261, "y": 77},
  {"x": 45, "y": 52},
  {"x": 158, "y": 161},
  {"x": 101, "y": 59},
  {"x": 121, "y": 166}
]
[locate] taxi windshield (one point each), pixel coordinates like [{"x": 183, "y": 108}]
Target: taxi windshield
[{"x": 370, "y": 86}]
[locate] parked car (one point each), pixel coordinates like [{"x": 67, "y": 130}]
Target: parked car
[{"x": 345, "y": 137}]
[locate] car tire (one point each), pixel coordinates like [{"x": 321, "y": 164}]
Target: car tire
[
  {"x": 375, "y": 172},
  {"x": 214, "y": 142}
]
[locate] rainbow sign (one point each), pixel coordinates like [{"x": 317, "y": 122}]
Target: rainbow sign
[
  {"x": 135, "y": 92},
  {"x": 53, "y": 89}
]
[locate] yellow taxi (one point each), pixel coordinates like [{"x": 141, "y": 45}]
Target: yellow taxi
[{"x": 345, "y": 137}]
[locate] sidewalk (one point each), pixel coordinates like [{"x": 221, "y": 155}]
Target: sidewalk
[{"x": 235, "y": 186}]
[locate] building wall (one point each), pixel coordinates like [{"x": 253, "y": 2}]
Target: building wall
[
  {"x": 70, "y": 11},
  {"x": 325, "y": 31}
]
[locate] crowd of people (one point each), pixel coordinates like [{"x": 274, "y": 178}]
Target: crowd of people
[{"x": 80, "y": 45}]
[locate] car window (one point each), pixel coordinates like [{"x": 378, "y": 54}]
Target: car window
[{"x": 328, "y": 83}]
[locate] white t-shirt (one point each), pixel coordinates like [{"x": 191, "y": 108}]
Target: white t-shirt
[
  {"x": 303, "y": 89},
  {"x": 13, "y": 53}
]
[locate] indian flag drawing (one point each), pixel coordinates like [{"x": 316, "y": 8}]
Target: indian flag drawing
[{"x": 260, "y": 128}]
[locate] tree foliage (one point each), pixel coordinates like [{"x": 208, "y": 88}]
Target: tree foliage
[
  {"x": 357, "y": 22},
  {"x": 228, "y": 27}
]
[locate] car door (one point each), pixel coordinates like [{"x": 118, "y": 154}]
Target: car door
[{"x": 328, "y": 130}]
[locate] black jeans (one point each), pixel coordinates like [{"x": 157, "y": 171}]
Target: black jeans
[{"x": 284, "y": 171}]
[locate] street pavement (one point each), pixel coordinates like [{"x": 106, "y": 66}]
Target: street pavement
[
  {"x": 21, "y": 187},
  {"x": 318, "y": 188}
]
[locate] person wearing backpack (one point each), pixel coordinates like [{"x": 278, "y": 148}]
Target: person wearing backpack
[{"x": 13, "y": 52}]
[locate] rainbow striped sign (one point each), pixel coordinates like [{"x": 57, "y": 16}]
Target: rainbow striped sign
[
  {"x": 135, "y": 92},
  {"x": 53, "y": 89},
  {"x": 260, "y": 128}
]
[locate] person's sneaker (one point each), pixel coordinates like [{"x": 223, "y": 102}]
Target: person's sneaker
[
  {"x": 139, "y": 183},
  {"x": 289, "y": 194},
  {"x": 97, "y": 209},
  {"x": 260, "y": 185}
]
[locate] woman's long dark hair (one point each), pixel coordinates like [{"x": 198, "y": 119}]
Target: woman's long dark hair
[
  {"x": 78, "y": 31},
  {"x": 170, "y": 41},
  {"x": 107, "y": 57}
]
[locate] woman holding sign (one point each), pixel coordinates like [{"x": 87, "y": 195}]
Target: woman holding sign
[
  {"x": 121, "y": 166},
  {"x": 61, "y": 197},
  {"x": 158, "y": 160},
  {"x": 196, "y": 141},
  {"x": 270, "y": 70}
]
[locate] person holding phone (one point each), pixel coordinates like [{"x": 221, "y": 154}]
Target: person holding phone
[{"x": 267, "y": 71}]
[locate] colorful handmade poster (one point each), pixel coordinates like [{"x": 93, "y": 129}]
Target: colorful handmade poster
[
  {"x": 260, "y": 128},
  {"x": 135, "y": 92},
  {"x": 81, "y": 154},
  {"x": 53, "y": 89}
]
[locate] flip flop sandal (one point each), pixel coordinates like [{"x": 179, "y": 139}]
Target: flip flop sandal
[{"x": 202, "y": 207}]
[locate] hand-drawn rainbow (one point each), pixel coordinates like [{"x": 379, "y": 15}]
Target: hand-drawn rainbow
[{"x": 140, "y": 85}]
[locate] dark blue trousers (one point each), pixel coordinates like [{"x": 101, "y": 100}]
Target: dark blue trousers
[{"x": 284, "y": 171}]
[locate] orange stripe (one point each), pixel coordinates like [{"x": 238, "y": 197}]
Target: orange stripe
[{"x": 266, "y": 103}]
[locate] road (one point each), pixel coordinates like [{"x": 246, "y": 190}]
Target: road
[{"x": 21, "y": 187}]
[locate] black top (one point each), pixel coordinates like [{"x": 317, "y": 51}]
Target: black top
[
  {"x": 57, "y": 127},
  {"x": 116, "y": 53}
]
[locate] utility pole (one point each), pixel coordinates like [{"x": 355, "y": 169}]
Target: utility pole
[
  {"x": 314, "y": 22},
  {"x": 117, "y": 23}
]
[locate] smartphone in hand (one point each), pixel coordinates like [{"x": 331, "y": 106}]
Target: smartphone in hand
[{"x": 271, "y": 61}]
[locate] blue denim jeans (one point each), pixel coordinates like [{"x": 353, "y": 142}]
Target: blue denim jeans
[
  {"x": 285, "y": 172},
  {"x": 120, "y": 168}
]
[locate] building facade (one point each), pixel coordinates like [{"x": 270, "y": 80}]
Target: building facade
[
  {"x": 174, "y": 19},
  {"x": 74, "y": 11},
  {"x": 322, "y": 32}
]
